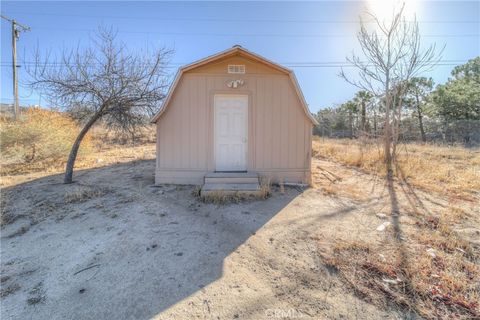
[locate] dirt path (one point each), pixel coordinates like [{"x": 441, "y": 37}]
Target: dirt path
[{"x": 113, "y": 246}]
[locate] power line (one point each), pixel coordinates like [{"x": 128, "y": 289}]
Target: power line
[
  {"x": 25, "y": 99},
  {"x": 231, "y": 20},
  {"x": 351, "y": 65},
  {"x": 255, "y": 34},
  {"x": 277, "y": 35},
  {"x": 283, "y": 63},
  {"x": 345, "y": 65}
]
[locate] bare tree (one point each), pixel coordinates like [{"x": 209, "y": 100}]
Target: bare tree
[
  {"x": 392, "y": 54},
  {"x": 105, "y": 81}
]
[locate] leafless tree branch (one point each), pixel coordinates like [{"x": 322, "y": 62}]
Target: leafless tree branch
[
  {"x": 105, "y": 81},
  {"x": 391, "y": 55}
]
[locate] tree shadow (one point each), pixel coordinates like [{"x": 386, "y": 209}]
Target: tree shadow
[
  {"x": 398, "y": 237},
  {"x": 128, "y": 252}
]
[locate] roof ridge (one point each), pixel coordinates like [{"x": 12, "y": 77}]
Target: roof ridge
[{"x": 222, "y": 54}]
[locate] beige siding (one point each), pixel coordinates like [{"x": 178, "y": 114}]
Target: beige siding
[
  {"x": 220, "y": 67},
  {"x": 279, "y": 132}
]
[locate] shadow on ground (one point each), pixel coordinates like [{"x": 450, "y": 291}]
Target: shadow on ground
[{"x": 113, "y": 246}]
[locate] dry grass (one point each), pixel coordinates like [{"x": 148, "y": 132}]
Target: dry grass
[
  {"x": 38, "y": 145},
  {"x": 84, "y": 193},
  {"x": 105, "y": 155},
  {"x": 454, "y": 171},
  {"x": 266, "y": 188},
  {"x": 223, "y": 198},
  {"x": 430, "y": 270},
  {"x": 426, "y": 262},
  {"x": 143, "y": 135},
  {"x": 440, "y": 287},
  {"x": 38, "y": 140},
  {"x": 9, "y": 289}
]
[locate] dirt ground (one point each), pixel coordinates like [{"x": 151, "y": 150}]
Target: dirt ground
[{"x": 113, "y": 246}]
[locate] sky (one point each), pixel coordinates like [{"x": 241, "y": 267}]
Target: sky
[{"x": 312, "y": 38}]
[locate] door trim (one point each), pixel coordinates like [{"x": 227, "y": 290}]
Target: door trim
[{"x": 215, "y": 130}]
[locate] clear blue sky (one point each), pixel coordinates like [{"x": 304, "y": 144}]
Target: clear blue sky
[{"x": 309, "y": 37}]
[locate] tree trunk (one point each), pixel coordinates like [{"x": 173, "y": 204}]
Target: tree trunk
[
  {"x": 387, "y": 136},
  {"x": 387, "y": 130},
  {"x": 364, "y": 117},
  {"x": 350, "y": 122},
  {"x": 356, "y": 125},
  {"x": 74, "y": 151},
  {"x": 397, "y": 115},
  {"x": 420, "y": 121},
  {"x": 388, "y": 106}
]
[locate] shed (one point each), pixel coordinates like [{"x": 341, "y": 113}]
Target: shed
[{"x": 230, "y": 118}]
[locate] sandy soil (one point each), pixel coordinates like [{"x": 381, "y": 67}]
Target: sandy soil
[{"x": 113, "y": 246}]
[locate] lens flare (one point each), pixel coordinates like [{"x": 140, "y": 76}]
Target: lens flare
[{"x": 385, "y": 9}]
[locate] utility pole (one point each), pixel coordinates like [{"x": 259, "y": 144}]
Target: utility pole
[{"x": 16, "y": 28}]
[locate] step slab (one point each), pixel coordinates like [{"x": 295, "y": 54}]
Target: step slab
[
  {"x": 230, "y": 188},
  {"x": 231, "y": 178}
]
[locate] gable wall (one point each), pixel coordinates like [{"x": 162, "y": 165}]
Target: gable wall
[
  {"x": 220, "y": 67},
  {"x": 279, "y": 142}
]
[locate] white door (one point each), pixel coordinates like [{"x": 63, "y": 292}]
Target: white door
[{"x": 231, "y": 123}]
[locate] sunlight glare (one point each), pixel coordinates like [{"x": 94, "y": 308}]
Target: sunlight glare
[{"x": 384, "y": 9}]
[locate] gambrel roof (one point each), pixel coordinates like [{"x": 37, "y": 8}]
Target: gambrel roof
[{"x": 235, "y": 50}]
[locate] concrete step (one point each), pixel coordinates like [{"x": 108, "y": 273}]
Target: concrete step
[
  {"x": 231, "y": 177},
  {"x": 230, "y": 188},
  {"x": 231, "y": 180}
]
